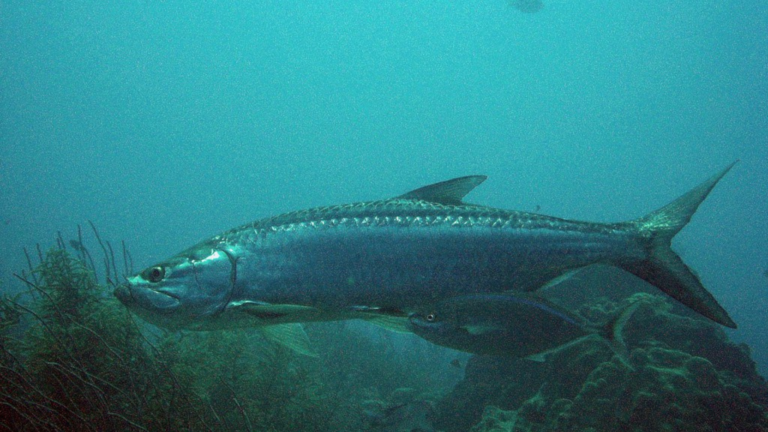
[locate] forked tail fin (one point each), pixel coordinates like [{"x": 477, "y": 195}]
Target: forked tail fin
[
  {"x": 613, "y": 330},
  {"x": 663, "y": 267}
]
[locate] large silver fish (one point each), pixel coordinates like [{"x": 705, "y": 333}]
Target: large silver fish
[{"x": 380, "y": 259}]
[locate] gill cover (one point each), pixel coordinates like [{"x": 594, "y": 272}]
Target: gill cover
[{"x": 187, "y": 291}]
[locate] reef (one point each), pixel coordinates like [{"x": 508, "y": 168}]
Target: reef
[{"x": 682, "y": 374}]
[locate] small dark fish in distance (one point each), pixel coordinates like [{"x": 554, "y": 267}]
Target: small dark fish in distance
[
  {"x": 380, "y": 260},
  {"x": 522, "y": 325},
  {"x": 527, "y": 6}
]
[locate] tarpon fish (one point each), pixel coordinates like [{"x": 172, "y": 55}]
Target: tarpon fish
[
  {"x": 522, "y": 325},
  {"x": 381, "y": 259}
]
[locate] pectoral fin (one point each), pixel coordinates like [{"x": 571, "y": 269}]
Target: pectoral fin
[
  {"x": 291, "y": 336},
  {"x": 562, "y": 278},
  {"x": 395, "y": 324},
  {"x": 542, "y": 356},
  {"x": 538, "y": 358},
  {"x": 480, "y": 329},
  {"x": 266, "y": 311},
  {"x": 390, "y": 319}
]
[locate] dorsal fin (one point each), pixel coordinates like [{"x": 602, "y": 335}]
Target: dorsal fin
[{"x": 446, "y": 192}]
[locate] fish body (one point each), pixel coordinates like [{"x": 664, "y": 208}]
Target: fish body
[
  {"x": 511, "y": 324},
  {"x": 383, "y": 258},
  {"x": 393, "y": 254}
]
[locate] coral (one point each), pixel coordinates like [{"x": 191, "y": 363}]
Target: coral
[
  {"x": 402, "y": 395},
  {"x": 667, "y": 390},
  {"x": 683, "y": 374},
  {"x": 496, "y": 419},
  {"x": 405, "y": 411}
]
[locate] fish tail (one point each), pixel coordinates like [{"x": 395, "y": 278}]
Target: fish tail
[
  {"x": 613, "y": 330},
  {"x": 665, "y": 269}
]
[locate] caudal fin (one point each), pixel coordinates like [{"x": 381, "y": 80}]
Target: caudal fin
[
  {"x": 663, "y": 267},
  {"x": 612, "y": 330}
]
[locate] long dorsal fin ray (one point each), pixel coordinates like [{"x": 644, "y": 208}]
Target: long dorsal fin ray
[{"x": 446, "y": 192}]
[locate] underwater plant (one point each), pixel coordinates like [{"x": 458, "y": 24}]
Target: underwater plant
[{"x": 73, "y": 358}]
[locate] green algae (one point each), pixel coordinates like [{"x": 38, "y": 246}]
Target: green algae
[{"x": 74, "y": 359}]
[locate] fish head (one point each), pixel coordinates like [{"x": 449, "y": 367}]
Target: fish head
[
  {"x": 431, "y": 325},
  {"x": 454, "y": 324},
  {"x": 188, "y": 291},
  {"x": 446, "y": 316}
]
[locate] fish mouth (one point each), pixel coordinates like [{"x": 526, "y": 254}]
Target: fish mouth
[
  {"x": 146, "y": 298},
  {"x": 123, "y": 293},
  {"x": 413, "y": 322}
]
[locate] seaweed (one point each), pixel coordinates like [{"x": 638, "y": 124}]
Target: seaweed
[
  {"x": 73, "y": 358},
  {"x": 251, "y": 384}
]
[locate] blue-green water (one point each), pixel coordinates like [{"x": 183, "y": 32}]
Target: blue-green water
[{"x": 167, "y": 122}]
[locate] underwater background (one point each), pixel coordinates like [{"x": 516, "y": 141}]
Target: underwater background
[{"x": 165, "y": 122}]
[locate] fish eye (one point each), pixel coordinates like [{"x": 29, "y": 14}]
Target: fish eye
[
  {"x": 154, "y": 274},
  {"x": 430, "y": 317}
]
